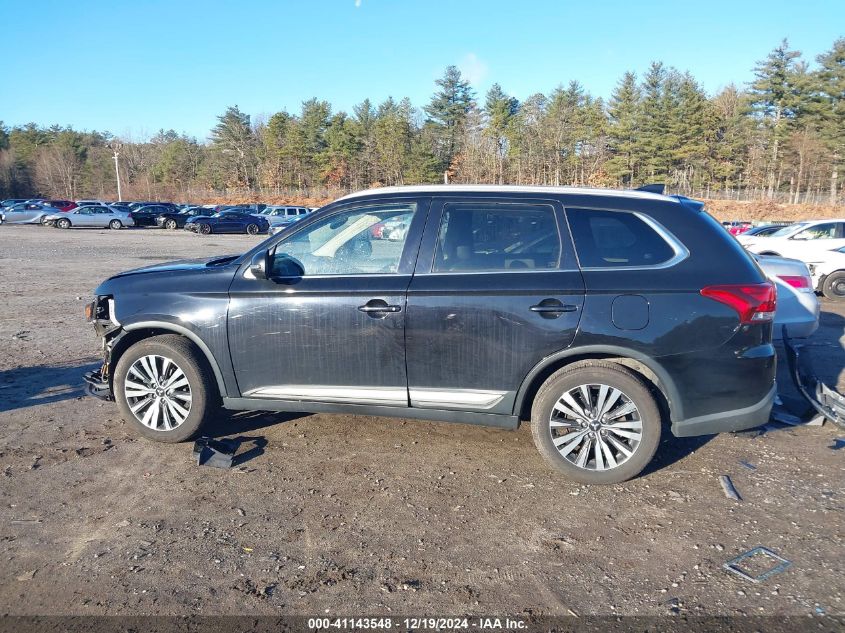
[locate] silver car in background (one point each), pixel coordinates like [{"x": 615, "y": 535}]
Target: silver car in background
[
  {"x": 27, "y": 213},
  {"x": 90, "y": 216},
  {"x": 797, "y": 305}
]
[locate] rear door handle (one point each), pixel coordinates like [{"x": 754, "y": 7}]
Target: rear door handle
[
  {"x": 378, "y": 305},
  {"x": 552, "y": 308}
]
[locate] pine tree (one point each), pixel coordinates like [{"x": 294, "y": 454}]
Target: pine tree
[
  {"x": 447, "y": 113},
  {"x": 773, "y": 97},
  {"x": 234, "y": 139},
  {"x": 831, "y": 87},
  {"x": 623, "y": 131},
  {"x": 499, "y": 109},
  {"x": 653, "y": 125}
]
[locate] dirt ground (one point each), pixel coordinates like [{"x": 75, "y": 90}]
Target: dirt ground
[{"x": 359, "y": 515}]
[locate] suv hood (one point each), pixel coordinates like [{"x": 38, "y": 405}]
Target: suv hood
[{"x": 181, "y": 265}]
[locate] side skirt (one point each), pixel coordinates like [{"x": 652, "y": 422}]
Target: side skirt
[{"x": 463, "y": 417}]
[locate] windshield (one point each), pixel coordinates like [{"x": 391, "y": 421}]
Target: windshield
[{"x": 789, "y": 230}]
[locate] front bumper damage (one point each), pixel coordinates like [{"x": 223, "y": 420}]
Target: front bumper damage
[
  {"x": 97, "y": 384},
  {"x": 99, "y": 312},
  {"x": 827, "y": 402}
]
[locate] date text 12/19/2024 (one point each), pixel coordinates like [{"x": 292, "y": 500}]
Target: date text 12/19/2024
[{"x": 421, "y": 623}]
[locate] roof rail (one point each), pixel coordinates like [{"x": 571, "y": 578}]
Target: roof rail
[{"x": 653, "y": 188}]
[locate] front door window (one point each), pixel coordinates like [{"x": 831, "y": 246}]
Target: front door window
[{"x": 346, "y": 243}]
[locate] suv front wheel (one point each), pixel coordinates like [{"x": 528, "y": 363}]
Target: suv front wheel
[
  {"x": 596, "y": 422},
  {"x": 165, "y": 388}
]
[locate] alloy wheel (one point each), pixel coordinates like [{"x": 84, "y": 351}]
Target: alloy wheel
[
  {"x": 596, "y": 427},
  {"x": 252, "y": 229},
  {"x": 158, "y": 392}
]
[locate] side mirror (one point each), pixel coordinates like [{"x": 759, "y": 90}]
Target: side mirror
[{"x": 260, "y": 264}]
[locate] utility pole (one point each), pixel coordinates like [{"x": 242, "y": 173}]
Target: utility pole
[{"x": 115, "y": 147}]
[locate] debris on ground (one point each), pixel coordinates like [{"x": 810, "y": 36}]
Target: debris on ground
[
  {"x": 784, "y": 417},
  {"x": 754, "y": 559},
  {"x": 829, "y": 403},
  {"x": 747, "y": 465},
  {"x": 728, "y": 487},
  {"x": 214, "y": 453}
]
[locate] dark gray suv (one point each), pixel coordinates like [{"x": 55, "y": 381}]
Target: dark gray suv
[{"x": 597, "y": 314}]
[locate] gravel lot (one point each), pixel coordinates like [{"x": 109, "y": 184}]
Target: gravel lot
[{"x": 362, "y": 515}]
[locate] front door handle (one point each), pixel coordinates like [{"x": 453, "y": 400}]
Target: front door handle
[{"x": 378, "y": 306}]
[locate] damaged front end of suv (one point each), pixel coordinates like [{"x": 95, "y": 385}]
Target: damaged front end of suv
[{"x": 100, "y": 312}]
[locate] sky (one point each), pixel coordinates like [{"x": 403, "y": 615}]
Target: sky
[{"x": 132, "y": 67}]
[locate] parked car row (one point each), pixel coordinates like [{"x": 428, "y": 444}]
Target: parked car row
[
  {"x": 252, "y": 219},
  {"x": 820, "y": 244}
]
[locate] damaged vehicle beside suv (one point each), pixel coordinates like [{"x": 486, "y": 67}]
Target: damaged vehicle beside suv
[{"x": 598, "y": 315}]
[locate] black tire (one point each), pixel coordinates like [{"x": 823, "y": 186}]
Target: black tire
[
  {"x": 115, "y": 225},
  {"x": 596, "y": 372},
  {"x": 833, "y": 287},
  {"x": 170, "y": 224},
  {"x": 63, "y": 223},
  {"x": 204, "y": 229},
  {"x": 252, "y": 229},
  {"x": 205, "y": 397}
]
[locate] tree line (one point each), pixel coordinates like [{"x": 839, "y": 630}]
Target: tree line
[{"x": 782, "y": 136}]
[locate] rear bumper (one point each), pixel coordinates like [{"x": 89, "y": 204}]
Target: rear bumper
[{"x": 736, "y": 420}]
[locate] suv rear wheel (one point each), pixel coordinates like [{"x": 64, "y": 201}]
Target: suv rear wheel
[
  {"x": 596, "y": 422},
  {"x": 165, "y": 388}
]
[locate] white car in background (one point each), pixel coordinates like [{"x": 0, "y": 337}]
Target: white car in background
[
  {"x": 797, "y": 305},
  {"x": 827, "y": 269},
  {"x": 799, "y": 241}
]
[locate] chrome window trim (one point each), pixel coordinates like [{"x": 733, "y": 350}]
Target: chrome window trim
[
  {"x": 681, "y": 251},
  {"x": 497, "y": 272}
]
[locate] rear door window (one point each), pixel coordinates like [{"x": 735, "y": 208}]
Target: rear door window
[
  {"x": 617, "y": 239},
  {"x": 497, "y": 237}
]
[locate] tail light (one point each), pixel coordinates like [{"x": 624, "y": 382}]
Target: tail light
[
  {"x": 799, "y": 282},
  {"x": 755, "y": 303}
]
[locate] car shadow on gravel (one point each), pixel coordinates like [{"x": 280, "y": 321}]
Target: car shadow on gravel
[
  {"x": 24, "y": 387},
  {"x": 232, "y": 422},
  {"x": 673, "y": 449}
]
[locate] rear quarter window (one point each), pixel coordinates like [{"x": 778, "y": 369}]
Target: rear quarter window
[{"x": 616, "y": 239}]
